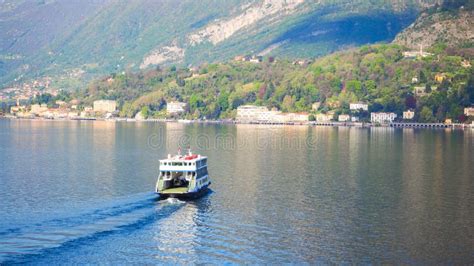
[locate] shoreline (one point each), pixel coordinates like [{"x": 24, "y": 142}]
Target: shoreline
[{"x": 233, "y": 122}]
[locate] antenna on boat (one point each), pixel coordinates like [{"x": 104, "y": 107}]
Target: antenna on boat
[
  {"x": 189, "y": 151},
  {"x": 179, "y": 151}
]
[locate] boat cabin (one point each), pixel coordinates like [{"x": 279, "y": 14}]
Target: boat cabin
[{"x": 182, "y": 174}]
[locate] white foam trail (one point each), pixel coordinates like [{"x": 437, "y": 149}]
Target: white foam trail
[{"x": 174, "y": 201}]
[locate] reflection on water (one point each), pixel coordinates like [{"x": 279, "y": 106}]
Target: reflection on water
[{"x": 282, "y": 194}]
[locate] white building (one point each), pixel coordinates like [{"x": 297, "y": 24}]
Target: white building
[
  {"x": 469, "y": 111},
  {"x": 324, "y": 117},
  {"x": 256, "y": 59},
  {"x": 359, "y": 106},
  {"x": 408, "y": 115},
  {"x": 382, "y": 118},
  {"x": 296, "y": 117},
  {"x": 105, "y": 106},
  {"x": 261, "y": 114},
  {"x": 175, "y": 107},
  {"x": 252, "y": 113},
  {"x": 38, "y": 109},
  {"x": 344, "y": 118},
  {"x": 415, "y": 54}
]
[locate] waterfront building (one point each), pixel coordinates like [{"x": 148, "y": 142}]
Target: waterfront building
[
  {"x": 297, "y": 117},
  {"x": 17, "y": 109},
  {"x": 408, "y": 115},
  {"x": 105, "y": 106},
  {"x": 344, "y": 118},
  {"x": 355, "y": 119},
  {"x": 469, "y": 111},
  {"x": 72, "y": 114},
  {"x": 37, "y": 109},
  {"x": 382, "y": 118},
  {"x": 175, "y": 107},
  {"x": 359, "y": 106},
  {"x": 261, "y": 114},
  {"x": 61, "y": 103},
  {"x": 324, "y": 117},
  {"x": 253, "y": 113}
]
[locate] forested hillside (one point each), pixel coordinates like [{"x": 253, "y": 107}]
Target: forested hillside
[{"x": 377, "y": 74}]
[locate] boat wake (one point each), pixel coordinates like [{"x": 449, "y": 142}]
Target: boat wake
[
  {"x": 173, "y": 201},
  {"x": 17, "y": 244}
]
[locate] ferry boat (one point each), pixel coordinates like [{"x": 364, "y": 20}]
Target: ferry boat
[{"x": 183, "y": 176}]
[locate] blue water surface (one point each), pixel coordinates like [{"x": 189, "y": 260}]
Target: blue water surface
[{"x": 77, "y": 192}]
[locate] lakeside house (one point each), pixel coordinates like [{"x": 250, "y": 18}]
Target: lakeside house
[
  {"x": 261, "y": 114},
  {"x": 358, "y": 106},
  {"x": 324, "y": 117},
  {"x": 382, "y": 118},
  {"x": 344, "y": 118},
  {"x": 37, "y": 109},
  {"x": 408, "y": 115},
  {"x": 175, "y": 107},
  {"x": 469, "y": 111},
  {"x": 105, "y": 106},
  {"x": 248, "y": 113},
  {"x": 17, "y": 109}
]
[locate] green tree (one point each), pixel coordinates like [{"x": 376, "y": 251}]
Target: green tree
[
  {"x": 288, "y": 103},
  {"x": 194, "y": 102},
  {"x": 145, "y": 111},
  {"x": 223, "y": 101},
  {"x": 426, "y": 115}
]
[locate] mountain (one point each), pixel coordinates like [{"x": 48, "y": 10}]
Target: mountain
[
  {"x": 451, "y": 24},
  {"x": 59, "y": 37}
]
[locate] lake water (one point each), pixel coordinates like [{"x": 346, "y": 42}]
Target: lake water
[{"x": 77, "y": 192}]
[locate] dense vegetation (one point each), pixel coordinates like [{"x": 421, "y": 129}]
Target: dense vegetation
[{"x": 378, "y": 75}]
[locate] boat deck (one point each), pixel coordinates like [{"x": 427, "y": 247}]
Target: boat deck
[{"x": 175, "y": 190}]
